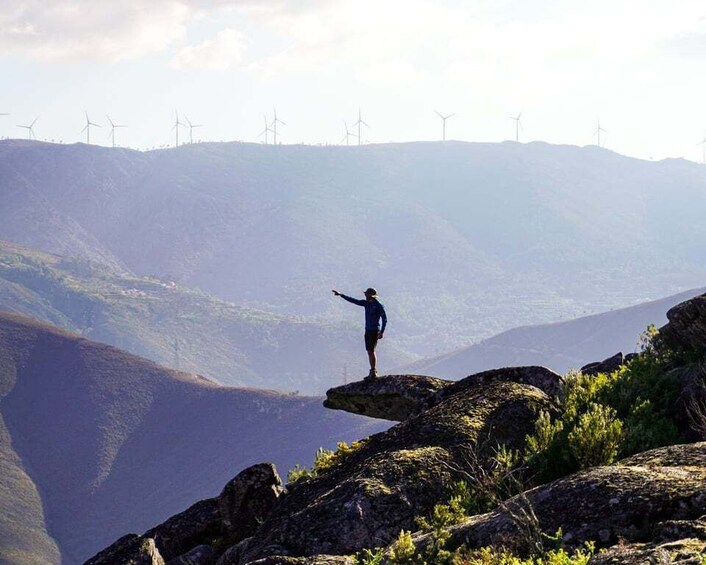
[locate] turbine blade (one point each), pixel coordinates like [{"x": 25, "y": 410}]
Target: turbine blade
[
  {"x": 34, "y": 122},
  {"x": 439, "y": 114}
]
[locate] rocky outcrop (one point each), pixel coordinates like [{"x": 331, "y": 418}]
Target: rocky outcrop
[
  {"x": 392, "y": 397},
  {"x": 398, "y": 397},
  {"x": 200, "y": 523},
  {"x": 608, "y": 365},
  {"x": 186, "y": 538},
  {"x": 687, "y": 551},
  {"x": 313, "y": 560},
  {"x": 604, "y": 504},
  {"x": 691, "y": 404},
  {"x": 686, "y": 329},
  {"x": 542, "y": 378},
  {"x": 129, "y": 550},
  {"x": 379, "y": 489},
  {"x": 247, "y": 500},
  {"x": 686, "y": 455},
  {"x": 200, "y": 555}
]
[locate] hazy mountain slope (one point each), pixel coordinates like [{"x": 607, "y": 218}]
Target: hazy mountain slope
[
  {"x": 115, "y": 443},
  {"x": 181, "y": 327},
  {"x": 559, "y": 346},
  {"x": 463, "y": 239}
]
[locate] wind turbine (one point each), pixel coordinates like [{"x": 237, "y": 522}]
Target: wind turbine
[
  {"x": 266, "y": 130},
  {"x": 598, "y": 132},
  {"x": 703, "y": 145},
  {"x": 443, "y": 119},
  {"x": 518, "y": 125},
  {"x": 191, "y": 129},
  {"x": 276, "y": 121},
  {"x": 359, "y": 123},
  {"x": 112, "y": 128},
  {"x": 30, "y": 129},
  {"x": 348, "y": 134},
  {"x": 87, "y": 128},
  {"x": 177, "y": 123}
]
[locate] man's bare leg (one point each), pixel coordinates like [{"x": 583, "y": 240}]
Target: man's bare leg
[{"x": 373, "y": 361}]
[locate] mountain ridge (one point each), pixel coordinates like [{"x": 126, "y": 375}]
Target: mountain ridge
[
  {"x": 110, "y": 442},
  {"x": 432, "y": 226},
  {"x": 560, "y": 346}
]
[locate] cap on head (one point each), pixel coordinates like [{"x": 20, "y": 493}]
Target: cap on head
[{"x": 371, "y": 292}]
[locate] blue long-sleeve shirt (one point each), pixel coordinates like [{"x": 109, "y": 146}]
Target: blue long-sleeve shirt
[{"x": 374, "y": 312}]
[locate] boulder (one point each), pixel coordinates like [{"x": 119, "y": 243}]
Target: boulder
[
  {"x": 606, "y": 366},
  {"x": 247, "y": 500},
  {"x": 379, "y": 489},
  {"x": 200, "y": 555},
  {"x": 685, "y": 455},
  {"x": 686, "y": 329},
  {"x": 199, "y": 524},
  {"x": 544, "y": 379},
  {"x": 130, "y": 549},
  {"x": 603, "y": 504},
  {"x": 313, "y": 560},
  {"x": 680, "y": 552},
  {"x": 691, "y": 404},
  {"x": 392, "y": 397}
]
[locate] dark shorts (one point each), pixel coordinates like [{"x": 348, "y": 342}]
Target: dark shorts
[{"x": 371, "y": 340}]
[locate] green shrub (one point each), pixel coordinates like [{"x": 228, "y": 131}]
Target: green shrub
[
  {"x": 491, "y": 556},
  {"x": 324, "y": 459},
  {"x": 596, "y": 437},
  {"x": 403, "y": 551},
  {"x": 606, "y": 416}
]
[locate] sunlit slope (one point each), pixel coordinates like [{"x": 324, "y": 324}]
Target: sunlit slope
[
  {"x": 560, "y": 346},
  {"x": 181, "y": 327},
  {"x": 463, "y": 239},
  {"x": 114, "y": 443}
]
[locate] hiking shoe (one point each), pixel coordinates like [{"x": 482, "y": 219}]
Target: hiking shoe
[{"x": 372, "y": 374}]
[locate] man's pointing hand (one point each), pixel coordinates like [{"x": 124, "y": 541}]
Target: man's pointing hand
[{"x": 336, "y": 292}]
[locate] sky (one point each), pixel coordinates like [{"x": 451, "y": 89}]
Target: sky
[{"x": 637, "y": 66}]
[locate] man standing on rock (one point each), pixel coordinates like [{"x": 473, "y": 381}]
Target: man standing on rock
[{"x": 374, "y": 312}]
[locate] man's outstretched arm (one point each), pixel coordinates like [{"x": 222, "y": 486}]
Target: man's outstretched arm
[{"x": 349, "y": 299}]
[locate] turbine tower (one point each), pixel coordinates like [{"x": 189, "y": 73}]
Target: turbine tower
[
  {"x": 598, "y": 132},
  {"x": 191, "y": 129},
  {"x": 112, "y": 128},
  {"x": 87, "y": 128},
  {"x": 359, "y": 123},
  {"x": 30, "y": 129},
  {"x": 703, "y": 145},
  {"x": 348, "y": 135},
  {"x": 266, "y": 130},
  {"x": 443, "y": 119},
  {"x": 276, "y": 121},
  {"x": 177, "y": 123},
  {"x": 518, "y": 126}
]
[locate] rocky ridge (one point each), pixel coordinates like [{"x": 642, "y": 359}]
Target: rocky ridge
[{"x": 647, "y": 508}]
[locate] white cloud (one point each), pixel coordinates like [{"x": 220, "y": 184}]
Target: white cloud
[
  {"x": 90, "y": 30},
  {"x": 222, "y": 52},
  {"x": 108, "y": 31}
]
